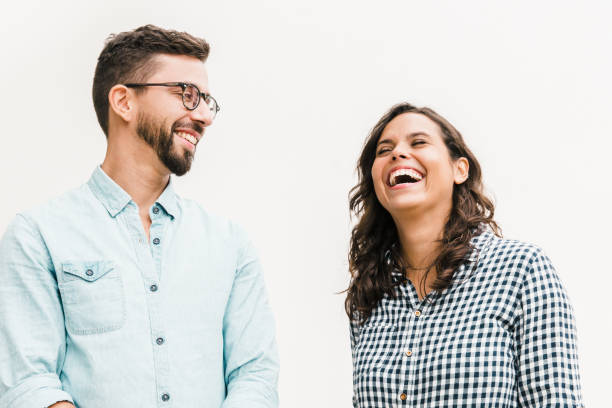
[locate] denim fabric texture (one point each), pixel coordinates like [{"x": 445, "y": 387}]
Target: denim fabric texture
[{"x": 94, "y": 313}]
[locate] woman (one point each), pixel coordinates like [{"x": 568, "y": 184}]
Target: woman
[{"x": 444, "y": 312}]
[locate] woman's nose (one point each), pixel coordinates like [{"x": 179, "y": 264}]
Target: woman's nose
[{"x": 397, "y": 155}]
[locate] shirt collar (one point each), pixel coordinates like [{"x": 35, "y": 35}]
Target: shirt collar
[
  {"x": 112, "y": 197},
  {"x": 115, "y": 199},
  {"x": 479, "y": 244},
  {"x": 168, "y": 200}
]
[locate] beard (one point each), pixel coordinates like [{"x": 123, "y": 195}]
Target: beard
[{"x": 161, "y": 139}]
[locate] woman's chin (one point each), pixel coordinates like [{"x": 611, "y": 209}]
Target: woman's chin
[{"x": 405, "y": 205}]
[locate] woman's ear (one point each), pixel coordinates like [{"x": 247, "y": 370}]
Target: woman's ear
[
  {"x": 462, "y": 170},
  {"x": 121, "y": 102}
]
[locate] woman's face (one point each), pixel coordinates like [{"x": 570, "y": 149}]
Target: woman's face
[{"x": 413, "y": 172}]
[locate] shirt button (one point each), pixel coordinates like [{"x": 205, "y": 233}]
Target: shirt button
[
  {"x": 417, "y": 313},
  {"x": 153, "y": 288},
  {"x": 408, "y": 353},
  {"x": 165, "y": 397},
  {"x": 403, "y": 397},
  {"x": 89, "y": 272},
  {"x": 156, "y": 241},
  {"x": 159, "y": 341},
  {"x": 155, "y": 210}
]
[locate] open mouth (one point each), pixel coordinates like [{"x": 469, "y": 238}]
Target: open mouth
[
  {"x": 188, "y": 137},
  {"x": 404, "y": 176}
]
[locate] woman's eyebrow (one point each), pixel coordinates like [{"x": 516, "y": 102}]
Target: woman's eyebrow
[
  {"x": 420, "y": 133},
  {"x": 384, "y": 141},
  {"x": 409, "y": 135}
]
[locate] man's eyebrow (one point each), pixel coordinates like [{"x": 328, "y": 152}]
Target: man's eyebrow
[{"x": 202, "y": 89}]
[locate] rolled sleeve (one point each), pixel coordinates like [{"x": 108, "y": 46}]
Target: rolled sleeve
[
  {"x": 36, "y": 391},
  {"x": 250, "y": 353},
  {"x": 32, "y": 332},
  {"x": 548, "y": 373}
]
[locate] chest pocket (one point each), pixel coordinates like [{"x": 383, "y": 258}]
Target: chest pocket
[
  {"x": 92, "y": 295},
  {"x": 376, "y": 343}
]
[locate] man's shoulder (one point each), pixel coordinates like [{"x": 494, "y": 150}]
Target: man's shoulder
[
  {"x": 66, "y": 205},
  {"x": 198, "y": 216}
]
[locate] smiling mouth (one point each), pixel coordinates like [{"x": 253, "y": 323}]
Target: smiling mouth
[
  {"x": 188, "y": 137},
  {"x": 404, "y": 176}
]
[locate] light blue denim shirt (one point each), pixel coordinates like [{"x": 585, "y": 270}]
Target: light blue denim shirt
[{"x": 91, "y": 312}]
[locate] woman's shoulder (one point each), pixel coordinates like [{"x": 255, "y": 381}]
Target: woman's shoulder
[{"x": 512, "y": 256}]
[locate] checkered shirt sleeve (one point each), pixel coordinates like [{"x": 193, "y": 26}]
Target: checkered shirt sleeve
[{"x": 501, "y": 335}]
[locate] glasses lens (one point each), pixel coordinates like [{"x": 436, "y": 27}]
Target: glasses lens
[
  {"x": 212, "y": 105},
  {"x": 191, "y": 97}
]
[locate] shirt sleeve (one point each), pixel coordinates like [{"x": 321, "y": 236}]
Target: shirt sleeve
[
  {"x": 32, "y": 332},
  {"x": 548, "y": 374},
  {"x": 250, "y": 353},
  {"x": 354, "y": 332}
]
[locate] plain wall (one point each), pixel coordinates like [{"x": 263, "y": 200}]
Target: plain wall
[{"x": 300, "y": 85}]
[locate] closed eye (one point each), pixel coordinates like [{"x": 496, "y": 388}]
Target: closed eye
[
  {"x": 383, "y": 151},
  {"x": 418, "y": 142}
]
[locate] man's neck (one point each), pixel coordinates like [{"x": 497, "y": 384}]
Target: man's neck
[{"x": 138, "y": 171}]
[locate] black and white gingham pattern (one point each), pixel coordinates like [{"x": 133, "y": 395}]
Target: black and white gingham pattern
[{"x": 502, "y": 335}]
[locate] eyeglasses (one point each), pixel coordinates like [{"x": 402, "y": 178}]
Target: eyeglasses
[{"x": 191, "y": 95}]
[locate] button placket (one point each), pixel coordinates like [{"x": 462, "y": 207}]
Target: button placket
[
  {"x": 150, "y": 257},
  {"x": 414, "y": 311}
]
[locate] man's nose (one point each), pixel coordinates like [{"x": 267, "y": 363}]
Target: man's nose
[{"x": 202, "y": 114}]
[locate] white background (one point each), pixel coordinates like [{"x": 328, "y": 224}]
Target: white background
[{"x": 300, "y": 85}]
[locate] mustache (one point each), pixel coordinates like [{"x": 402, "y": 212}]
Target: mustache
[{"x": 195, "y": 126}]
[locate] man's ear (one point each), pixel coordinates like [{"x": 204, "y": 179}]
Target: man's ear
[
  {"x": 120, "y": 101},
  {"x": 462, "y": 170}
]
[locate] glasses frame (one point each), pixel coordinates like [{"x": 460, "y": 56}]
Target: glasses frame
[{"x": 183, "y": 86}]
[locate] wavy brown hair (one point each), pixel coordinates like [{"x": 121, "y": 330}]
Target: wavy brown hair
[{"x": 375, "y": 251}]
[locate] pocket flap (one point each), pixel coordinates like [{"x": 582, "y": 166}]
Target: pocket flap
[{"x": 90, "y": 271}]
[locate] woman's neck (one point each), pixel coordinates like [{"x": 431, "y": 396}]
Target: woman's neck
[{"x": 419, "y": 237}]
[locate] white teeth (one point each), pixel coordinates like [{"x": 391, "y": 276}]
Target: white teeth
[
  {"x": 404, "y": 172},
  {"x": 187, "y": 136}
]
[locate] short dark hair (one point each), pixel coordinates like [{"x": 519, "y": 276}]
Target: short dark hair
[{"x": 129, "y": 57}]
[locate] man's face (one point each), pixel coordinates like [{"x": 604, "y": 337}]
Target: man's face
[{"x": 163, "y": 121}]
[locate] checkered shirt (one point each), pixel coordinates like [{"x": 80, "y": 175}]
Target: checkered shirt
[{"x": 501, "y": 335}]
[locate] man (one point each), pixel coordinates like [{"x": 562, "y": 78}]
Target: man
[{"x": 120, "y": 293}]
